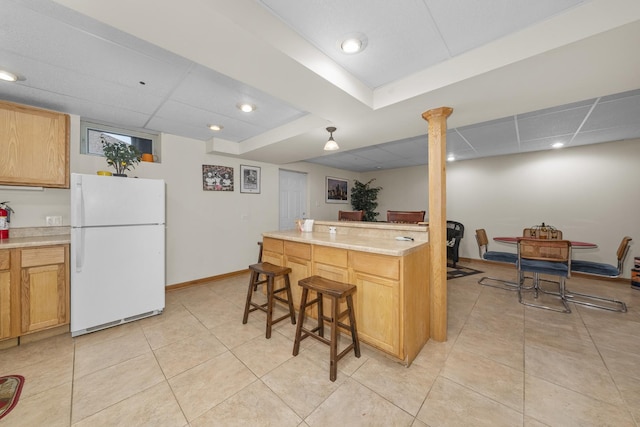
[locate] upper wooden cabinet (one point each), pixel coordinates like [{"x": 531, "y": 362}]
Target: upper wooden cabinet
[{"x": 34, "y": 146}]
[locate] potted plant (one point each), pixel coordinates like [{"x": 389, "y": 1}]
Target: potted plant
[
  {"x": 120, "y": 155},
  {"x": 363, "y": 197}
]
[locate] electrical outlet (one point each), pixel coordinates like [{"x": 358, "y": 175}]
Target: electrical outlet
[{"x": 53, "y": 221}]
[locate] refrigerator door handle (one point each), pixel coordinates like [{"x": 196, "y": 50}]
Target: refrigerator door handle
[
  {"x": 79, "y": 204},
  {"x": 79, "y": 250}
]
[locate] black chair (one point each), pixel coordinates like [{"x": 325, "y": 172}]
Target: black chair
[
  {"x": 506, "y": 257},
  {"x": 455, "y": 233}
]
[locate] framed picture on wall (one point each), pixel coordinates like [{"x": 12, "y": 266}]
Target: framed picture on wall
[
  {"x": 217, "y": 178},
  {"x": 249, "y": 179},
  {"x": 337, "y": 190}
]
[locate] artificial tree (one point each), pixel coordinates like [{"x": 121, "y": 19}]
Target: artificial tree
[{"x": 364, "y": 197}]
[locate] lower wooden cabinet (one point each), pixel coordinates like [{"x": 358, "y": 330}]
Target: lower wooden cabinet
[
  {"x": 297, "y": 256},
  {"x": 378, "y": 307},
  {"x": 5, "y": 294},
  {"x": 34, "y": 289},
  {"x": 44, "y": 288}
]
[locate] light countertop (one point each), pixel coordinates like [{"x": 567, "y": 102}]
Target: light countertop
[
  {"x": 386, "y": 245},
  {"x": 36, "y": 236}
]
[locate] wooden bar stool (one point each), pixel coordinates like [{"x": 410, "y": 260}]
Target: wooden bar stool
[
  {"x": 270, "y": 271},
  {"x": 335, "y": 291}
]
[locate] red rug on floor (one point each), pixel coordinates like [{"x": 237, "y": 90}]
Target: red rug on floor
[{"x": 10, "y": 388}]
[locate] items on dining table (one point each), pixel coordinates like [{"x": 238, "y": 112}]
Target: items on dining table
[{"x": 543, "y": 231}]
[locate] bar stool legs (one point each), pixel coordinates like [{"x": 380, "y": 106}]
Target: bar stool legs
[
  {"x": 335, "y": 291},
  {"x": 270, "y": 271}
]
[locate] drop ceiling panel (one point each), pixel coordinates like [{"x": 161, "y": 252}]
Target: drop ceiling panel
[
  {"x": 606, "y": 135},
  {"x": 409, "y": 149},
  {"x": 108, "y": 114},
  {"x": 551, "y": 124},
  {"x": 455, "y": 142},
  {"x": 614, "y": 113},
  {"x": 84, "y": 53},
  {"x": 544, "y": 143},
  {"x": 87, "y": 88},
  {"x": 485, "y": 21},
  {"x": 557, "y": 108},
  {"x": 496, "y": 133},
  {"x": 375, "y": 154},
  {"x": 198, "y": 119},
  {"x": 211, "y": 91}
]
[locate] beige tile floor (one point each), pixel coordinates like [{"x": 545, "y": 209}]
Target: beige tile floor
[{"x": 197, "y": 365}]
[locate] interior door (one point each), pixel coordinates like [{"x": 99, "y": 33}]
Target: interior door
[{"x": 293, "y": 198}]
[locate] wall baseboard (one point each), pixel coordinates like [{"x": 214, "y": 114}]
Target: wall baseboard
[{"x": 204, "y": 280}]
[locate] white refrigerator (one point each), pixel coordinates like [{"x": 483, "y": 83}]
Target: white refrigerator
[{"x": 117, "y": 250}]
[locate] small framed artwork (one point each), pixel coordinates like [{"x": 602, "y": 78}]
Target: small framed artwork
[
  {"x": 217, "y": 178},
  {"x": 337, "y": 190},
  {"x": 249, "y": 179}
]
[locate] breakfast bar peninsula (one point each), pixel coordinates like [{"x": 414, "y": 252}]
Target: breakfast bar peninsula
[{"x": 391, "y": 276}]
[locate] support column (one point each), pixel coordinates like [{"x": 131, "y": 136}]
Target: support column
[{"x": 437, "y": 119}]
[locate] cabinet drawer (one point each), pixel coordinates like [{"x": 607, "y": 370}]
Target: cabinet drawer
[
  {"x": 4, "y": 260},
  {"x": 272, "y": 245},
  {"x": 42, "y": 256},
  {"x": 330, "y": 256},
  {"x": 375, "y": 264},
  {"x": 298, "y": 250}
]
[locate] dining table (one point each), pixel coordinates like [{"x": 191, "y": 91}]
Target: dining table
[{"x": 574, "y": 244}]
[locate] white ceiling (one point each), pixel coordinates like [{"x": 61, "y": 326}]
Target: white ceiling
[{"x": 519, "y": 74}]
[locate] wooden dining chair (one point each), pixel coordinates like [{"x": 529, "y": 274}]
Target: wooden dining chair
[
  {"x": 496, "y": 256},
  {"x": 408, "y": 217},
  {"x": 350, "y": 215},
  {"x": 544, "y": 256},
  {"x": 601, "y": 270}
]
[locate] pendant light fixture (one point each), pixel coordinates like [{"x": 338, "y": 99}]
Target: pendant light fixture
[{"x": 331, "y": 144}]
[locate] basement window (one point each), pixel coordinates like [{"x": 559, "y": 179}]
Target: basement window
[{"x": 91, "y": 133}]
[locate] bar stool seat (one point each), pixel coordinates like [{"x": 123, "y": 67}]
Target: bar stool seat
[
  {"x": 335, "y": 291},
  {"x": 270, "y": 271}
]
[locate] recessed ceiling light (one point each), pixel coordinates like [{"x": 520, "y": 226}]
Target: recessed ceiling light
[
  {"x": 215, "y": 127},
  {"x": 352, "y": 43},
  {"x": 557, "y": 145},
  {"x": 451, "y": 158},
  {"x": 7, "y": 76},
  {"x": 246, "y": 108}
]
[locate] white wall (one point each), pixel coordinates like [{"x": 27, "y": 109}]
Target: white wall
[
  {"x": 208, "y": 232},
  {"x": 405, "y": 189},
  {"x": 588, "y": 192}
]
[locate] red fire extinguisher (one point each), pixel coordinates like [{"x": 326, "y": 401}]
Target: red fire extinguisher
[{"x": 5, "y": 218}]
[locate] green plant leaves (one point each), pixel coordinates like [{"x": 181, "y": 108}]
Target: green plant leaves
[{"x": 364, "y": 197}]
